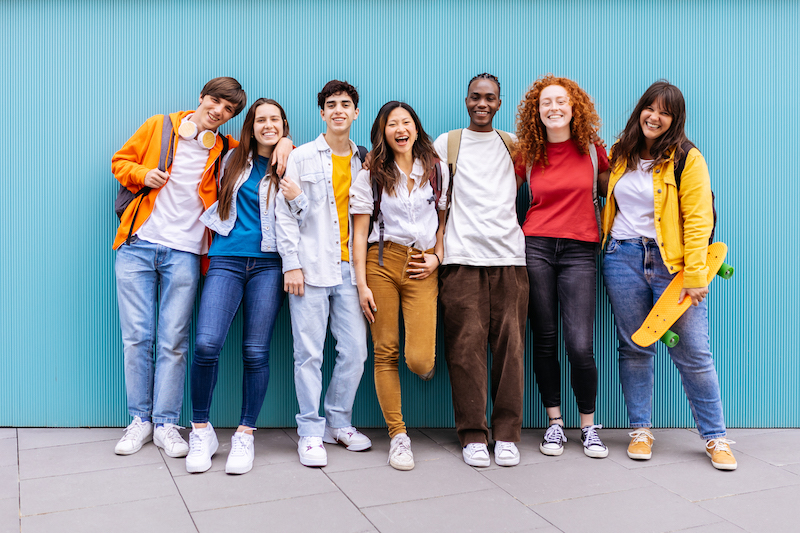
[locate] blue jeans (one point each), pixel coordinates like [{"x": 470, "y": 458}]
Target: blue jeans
[
  {"x": 155, "y": 388},
  {"x": 257, "y": 283},
  {"x": 563, "y": 272},
  {"x": 635, "y": 277},
  {"x": 310, "y": 314}
]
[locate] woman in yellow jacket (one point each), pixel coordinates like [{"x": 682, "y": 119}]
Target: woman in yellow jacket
[{"x": 656, "y": 227}]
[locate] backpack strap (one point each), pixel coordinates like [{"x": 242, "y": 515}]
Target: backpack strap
[
  {"x": 164, "y": 162},
  {"x": 680, "y": 163},
  {"x": 595, "y": 195},
  {"x": 507, "y": 140},
  {"x": 362, "y": 153},
  {"x": 218, "y": 162},
  {"x": 377, "y": 216}
]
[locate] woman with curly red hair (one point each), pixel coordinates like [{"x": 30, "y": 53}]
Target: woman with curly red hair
[{"x": 560, "y": 156}]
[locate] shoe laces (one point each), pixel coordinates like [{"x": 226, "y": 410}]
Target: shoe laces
[
  {"x": 312, "y": 442},
  {"x": 475, "y": 447},
  {"x": 720, "y": 445},
  {"x": 197, "y": 441},
  {"x": 401, "y": 445},
  {"x": 590, "y": 436},
  {"x": 555, "y": 434},
  {"x": 239, "y": 444},
  {"x": 134, "y": 429},
  {"x": 501, "y": 447},
  {"x": 171, "y": 434},
  {"x": 641, "y": 435}
]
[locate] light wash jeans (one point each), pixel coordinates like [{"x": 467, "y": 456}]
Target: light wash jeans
[
  {"x": 310, "y": 314},
  {"x": 635, "y": 277},
  {"x": 155, "y": 387}
]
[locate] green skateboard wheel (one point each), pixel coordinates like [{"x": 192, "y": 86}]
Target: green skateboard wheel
[
  {"x": 670, "y": 339},
  {"x": 725, "y": 271}
]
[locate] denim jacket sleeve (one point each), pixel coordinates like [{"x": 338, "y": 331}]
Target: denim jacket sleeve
[{"x": 288, "y": 219}]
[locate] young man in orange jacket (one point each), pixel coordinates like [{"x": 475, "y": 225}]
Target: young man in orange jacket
[{"x": 159, "y": 244}]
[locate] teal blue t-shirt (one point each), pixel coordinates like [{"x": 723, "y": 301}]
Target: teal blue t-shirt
[{"x": 244, "y": 240}]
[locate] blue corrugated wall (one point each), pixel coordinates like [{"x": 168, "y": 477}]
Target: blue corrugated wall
[{"x": 78, "y": 77}]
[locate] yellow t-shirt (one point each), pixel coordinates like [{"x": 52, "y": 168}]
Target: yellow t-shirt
[{"x": 341, "y": 190}]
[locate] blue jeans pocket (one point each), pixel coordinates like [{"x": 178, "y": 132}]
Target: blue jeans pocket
[{"x": 611, "y": 246}]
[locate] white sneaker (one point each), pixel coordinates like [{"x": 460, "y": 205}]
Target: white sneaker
[
  {"x": 240, "y": 459},
  {"x": 312, "y": 451},
  {"x": 554, "y": 439},
  {"x": 349, "y": 436},
  {"x": 169, "y": 438},
  {"x": 203, "y": 445},
  {"x": 400, "y": 455},
  {"x": 136, "y": 435},
  {"x": 505, "y": 453},
  {"x": 592, "y": 445},
  {"x": 476, "y": 454}
]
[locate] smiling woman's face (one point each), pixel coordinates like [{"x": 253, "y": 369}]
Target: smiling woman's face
[
  {"x": 400, "y": 132},
  {"x": 555, "y": 109}
]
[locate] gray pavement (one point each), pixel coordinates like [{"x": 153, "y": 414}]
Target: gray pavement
[{"x": 63, "y": 480}]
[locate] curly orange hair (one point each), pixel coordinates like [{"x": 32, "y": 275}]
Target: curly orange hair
[{"x": 531, "y": 131}]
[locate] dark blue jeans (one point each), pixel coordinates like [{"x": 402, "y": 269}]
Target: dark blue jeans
[
  {"x": 563, "y": 272},
  {"x": 257, "y": 283}
]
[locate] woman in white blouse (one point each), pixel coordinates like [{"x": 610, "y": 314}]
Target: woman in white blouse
[{"x": 400, "y": 269}]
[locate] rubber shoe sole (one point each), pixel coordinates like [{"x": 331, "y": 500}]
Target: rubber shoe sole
[
  {"x": 553, "y": 452},
  {"x": 240, "y": 469},
  {"x": 722, "y": 466},
  {"x": 179, "y": 453},
  {"x": 597, "y": 454},
  {"x": 203, "y": 467},
  {"x": 640, "y": 456}
]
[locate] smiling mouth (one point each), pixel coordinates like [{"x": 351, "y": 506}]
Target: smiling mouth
[
  {"x": 555, "y": 117},
  {"x": 401, "y": 140},
  {"x": 652, "y": 126}
]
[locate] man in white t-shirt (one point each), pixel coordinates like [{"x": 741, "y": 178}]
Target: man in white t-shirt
[
  {"x": 484, "y": 283},
  {"x": 159, "y": 244}
]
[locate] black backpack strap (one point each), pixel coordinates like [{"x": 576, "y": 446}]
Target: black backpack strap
[
  {"x": 437, "y": 182},
  {"x": 680, "y": 162},
  {"x": 377, "y": 216},
  {"x": 222, "y": 154},
  {"x": 362, "y": 153}
]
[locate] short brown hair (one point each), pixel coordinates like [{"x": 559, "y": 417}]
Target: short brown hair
[
  {"x": 226, "y": 88},
  {"x": 336, "y": 87}
]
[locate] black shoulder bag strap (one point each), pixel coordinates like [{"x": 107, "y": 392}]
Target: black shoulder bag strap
[{"x": 164, "y": 162}]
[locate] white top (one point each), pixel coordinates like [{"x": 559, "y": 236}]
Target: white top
[
  {"x": 175, "y": 220},
  {"x": 635, "y": 204},
  {"x": 482, "y": 228},
  {"x": 409, "y": 219}
]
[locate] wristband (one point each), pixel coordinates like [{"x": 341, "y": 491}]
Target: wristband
[{"x": 437, "y": 258}]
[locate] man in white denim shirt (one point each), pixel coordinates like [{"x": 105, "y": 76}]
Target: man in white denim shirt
[{"x": 315, "y": 246}]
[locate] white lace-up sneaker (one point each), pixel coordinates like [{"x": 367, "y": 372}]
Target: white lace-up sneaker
[
  {"x": 400, "y": 455},
  {"x": 203, "y": 445},
  {"x": 349, "y": 436},
  {"x": 505, "y": 453},
  {"x": 592, "y": 445},
  {"x": 169, "y": 438},
  {"x": 312, "y": 451},
  {"x": 554, "y": 439},
  {"x": 240, "y": 459},
  {"x": 476, "y": 454},
  {"x": 136, "y": 435}
]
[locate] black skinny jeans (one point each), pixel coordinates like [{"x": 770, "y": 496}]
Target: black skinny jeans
[{"x": 563, "y": 271}]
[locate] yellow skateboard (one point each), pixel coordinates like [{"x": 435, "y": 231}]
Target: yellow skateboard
[{"x": 667, "y": 310}]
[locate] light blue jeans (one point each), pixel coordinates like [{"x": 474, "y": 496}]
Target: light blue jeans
[
  {"x": 310, "y": 314},
  {"x": 635, "y": 277},
  {"x": 156, "y": 288}
]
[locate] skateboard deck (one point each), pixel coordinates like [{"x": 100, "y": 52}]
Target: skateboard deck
[{"x": 667, "y": 310}]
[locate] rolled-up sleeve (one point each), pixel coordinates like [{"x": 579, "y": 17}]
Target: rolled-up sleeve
[{"x": 361, "y": 200}]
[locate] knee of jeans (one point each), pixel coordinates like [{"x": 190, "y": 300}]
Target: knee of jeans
[
  {"x": 206, "y": 350},
  {"x": 255, "y": 358}
]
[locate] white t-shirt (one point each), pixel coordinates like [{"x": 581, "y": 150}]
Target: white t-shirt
[
  {"x": 482, "y": 228},
  {"x": 409, "y": 218},
  {"x": 635, "y": 204},
  {"x": 175, "y": 220}
]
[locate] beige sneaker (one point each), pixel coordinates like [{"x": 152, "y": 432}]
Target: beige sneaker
[
  {"x": 721, "y": 455},
  {"x": 641, "y": 446}
]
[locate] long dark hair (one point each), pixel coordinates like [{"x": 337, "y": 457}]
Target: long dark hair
[
  {"x": 632, "y": 140},
  {"x": 382, "y": 168},
  {"x": 248, "y": 147}
]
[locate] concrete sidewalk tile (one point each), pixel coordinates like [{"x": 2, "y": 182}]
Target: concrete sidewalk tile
[
  {"x": 384, "y": 484},
  {"x": 778, "y": 448},
  {"x": 651, "y": 509},
  {"x": 8, "y": 452},
  {"x": 340, "y": 460},
  {"x": 574, "y": 478},
  {"x": 670, "y": 446},
  {"x": 90, "y": 489},
  {"x": 717, "y": 527},
  {"x": 473, "y": 511},
  {"x": 738, "y": 433},
  {"x": 44, "y": 437},
  {"x": 272, "y": 446},
  {"x": 77, "y": 458},
  {"x": 9, "y": 482},
  {"x": 772, "y": 510},
  {"x": 795, "y": 468},
  {"x": 320, "y": 512},
  {"x": 9, "y": 515},
  {"x": 215, "y": 490},
  {"x": 8, "y": 433},
  {"x": 699, "y": 480},
  {"x": 160, "y": 514}
]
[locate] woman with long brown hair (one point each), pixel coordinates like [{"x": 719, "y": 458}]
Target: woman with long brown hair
[
  {"x": 659, "y": 219},
  {"x": 560, "y": 156},
  {"x": 399, "y": 269},
  {"x": 244, "y": 270}
]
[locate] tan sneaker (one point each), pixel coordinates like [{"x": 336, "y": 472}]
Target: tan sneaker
[
  {"x": 641, "y": 446},
  {"x": 721, "y": 455}
]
